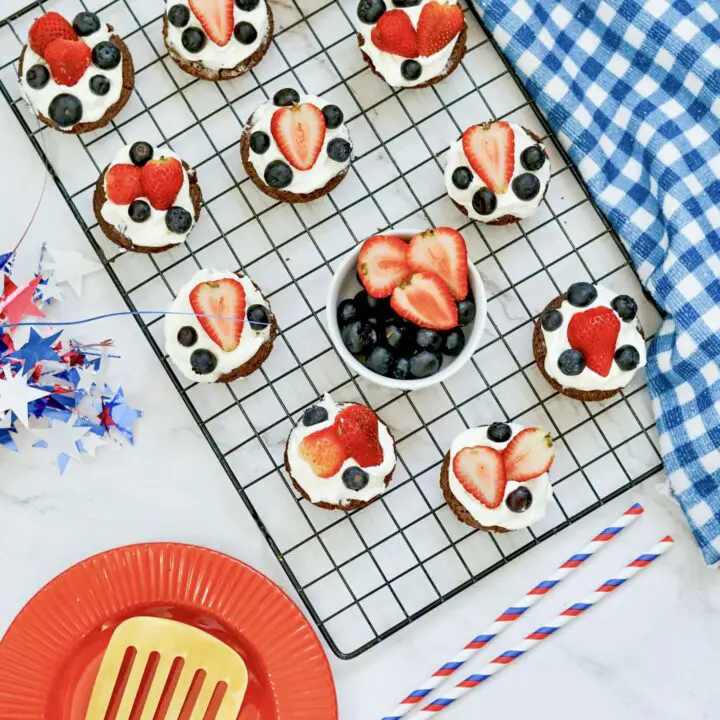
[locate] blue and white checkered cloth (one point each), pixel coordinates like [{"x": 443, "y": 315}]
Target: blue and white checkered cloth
[{"x": 632, "y": 88}]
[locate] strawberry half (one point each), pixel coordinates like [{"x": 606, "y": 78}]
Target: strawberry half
[
  {"x": 224, "y": 302},
  {"x": 425, "y": 299},
  {"x": 491, "y": 151},
  {"x": 382, "y": 264},
  {"x": 529, "y": 454},
  {"x": 299, "y": 131},
  {"x": 217, "y": 18},
  {"x": 481, "y": 472},
  {"x": 594, "y": 333},
  {"x": 162, "y": 180},
  {"x": 324, "y": 452},
  {"x": 441, "y": 251},
  {"x": 49, "y": 27},
  {"x": 123, "y": 184},
  {"x": 394, "y": 33},
  {"x": 357, "y": 427},
  {"x": 68, "y": 60},
  {"x": 439, "y": 23}
]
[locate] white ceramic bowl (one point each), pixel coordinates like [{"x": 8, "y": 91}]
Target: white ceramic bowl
[{"x": 345, "y": 285}]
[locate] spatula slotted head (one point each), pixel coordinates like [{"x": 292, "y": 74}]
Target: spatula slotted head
[{"x": 156, "y": 669}]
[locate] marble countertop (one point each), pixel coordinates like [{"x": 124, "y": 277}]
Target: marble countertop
[{"x": 648, "y": 652}]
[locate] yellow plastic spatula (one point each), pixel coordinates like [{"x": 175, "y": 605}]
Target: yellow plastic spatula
[{"x": 182, "y": 658}]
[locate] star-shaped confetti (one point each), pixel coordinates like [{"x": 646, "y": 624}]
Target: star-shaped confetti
[
  {"x": 17, "y": 302},
  {"x": 48, "y": 290},
  {"x": 91, "y": 442},
  {"x": 71, "y": 267},
  {"x": 117, "y": 413},
  {"x": 37, "y": 349},
  {"x": 63, "y": 439},
  {"x": 16, "y": 394}
]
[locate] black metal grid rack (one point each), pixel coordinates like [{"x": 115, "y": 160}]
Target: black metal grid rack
[{"x": 366, "y": 574}]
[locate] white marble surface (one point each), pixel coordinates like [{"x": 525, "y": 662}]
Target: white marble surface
[{"x": 648, "y": 652}]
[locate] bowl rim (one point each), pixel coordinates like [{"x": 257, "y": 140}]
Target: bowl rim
[{"x": 473, "y": 342}]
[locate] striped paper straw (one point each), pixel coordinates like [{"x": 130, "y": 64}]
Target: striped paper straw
[
  {"x": 514, "y": 612},
  {"x": 546, "y": 631}
]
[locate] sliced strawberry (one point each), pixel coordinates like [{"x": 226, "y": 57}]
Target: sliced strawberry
[
  {"x": 123, "y": 184},
  {"x": 47, "y": 28},
  {"x": 382, "y": 264},
  {"x": 217, "y": 18},
  {"x": 491, "y": 151},
  {"x": 439, "y": 23},
  {"x": 529, "y": 454},
  {"x": 220, "y": 307},
  {"x": 68, "y": 60},
  {"x": 162, "y": 180},
  {"x": 299, "y": 131},
  {"x": 441, "y": 251},
  {"x": 324, "y": 451},
  {"x": 394, "y": 33},
  {"x": 594, "y": 333},
  {"x": 357, "y": 427},
  {"x": 481, "y": 472},
  {"x": 425, "y": 299}
]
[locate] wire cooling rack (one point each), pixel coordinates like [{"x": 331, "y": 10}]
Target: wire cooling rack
[{"x": 366, "y": 574}]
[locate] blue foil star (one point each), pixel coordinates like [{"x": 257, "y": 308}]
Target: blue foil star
[
  {"x": 37, "y": 349},
  {"x": 117, "y": 413}
]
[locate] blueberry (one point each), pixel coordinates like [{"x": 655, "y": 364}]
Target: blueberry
[
  {"x": 355, "y": 336},
  {"x": 397, "y": 336},
  {"x": 466, "y": 312},
  {"x": 65, "y": 110},
  {"x": 380, "y": 361},
  {"x": 99, "y": 85},
  {"x": 245, "y": 33},
  {"x": 333, "y": 116},
  {"x": 428, "y": 339},
  {"x": 499, "y": 432},
  {"x": 139, "y": 211},
  {"x": 140, "y": 153},
  {"x": 258, "y": 317},
  {"x": 625, "y": 307},
  {"x": 339, "y": 150},
  {"x": 425, "y": 363},
  {"x": 369, "y": 11},
  {"x": 314, "y": 415},
  {"x": 193, "y": 39},
  {"x": 571, "y": 362},
  {"x": 526, "y": 186},
  {"x": 411, "y": 69},
  {"x": 484, "y": 201},
  {"x": 347, "y": 312},
  {"x": 202, "y": 362},
  {"x": 37, "y": 77},
  {"x": 355, "y": 478},
  {"x": 519, "y": 500},
  {"x": 401, "y": 371},
  {"x": 106, "y": 55},
  {"x": 179, "y": 15},
  {"x": 552, "y": 320},
  {"x": 627, "y": 357},
  {"x": 247, "y": 5},
  {"x": 581, "y": 294},
  {"x": 462, "y": 177},
  {"x": 453, "y": 342},
  {"x": 286, "y": 97},
  {"x": 259, "y": 142},
  {"x": 532, "y": 158},
  {"x": 278, "y": 174},
  {"x": 187, "y": 336},
  {"x": 370, "y": 307},
  {"x": 178, "y": 220},
  {"x": 86, "y": 23}
]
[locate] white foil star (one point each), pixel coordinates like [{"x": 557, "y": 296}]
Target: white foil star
[
  {"x": 70, "y": 266},
  {"x": 91, "y": 442},
  {"x": 15, "y": 394},
  {"x": 61, "y": 438}
]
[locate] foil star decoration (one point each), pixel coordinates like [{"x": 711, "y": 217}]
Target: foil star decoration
[
  {"x": 16, "y": 394},
  {"x": 116, "y": 413},
  {"x": 70, "y": 266},
  {"x": 37, "y": 349},
  {"x": 18, "y": 302},
  {"x": 63, "y": 438}
]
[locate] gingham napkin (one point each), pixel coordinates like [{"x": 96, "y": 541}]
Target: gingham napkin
[{"x": 632, "y": 88}]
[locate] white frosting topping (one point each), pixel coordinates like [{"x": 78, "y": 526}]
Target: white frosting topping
[
  {"x": 507, "y": 203},
  {"x": 501, "y": 516},
  {"x": 556, "y": 341},
  {"x": 303, "y": 182},
  {"x": 153, "y": 232},
  {"x": 216, "y": 57},
  {"x": 389, "y": 64},
  {"x": 332, "y": 490},
  {"x": 94, "y": 106},
  {"x": 250, "y": 340}
]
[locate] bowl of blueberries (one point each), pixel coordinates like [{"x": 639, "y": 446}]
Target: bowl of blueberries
[{"x": 406, "y": 308}]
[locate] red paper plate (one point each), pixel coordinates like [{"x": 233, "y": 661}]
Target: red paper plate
[{"x": 51, "y": 653}]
